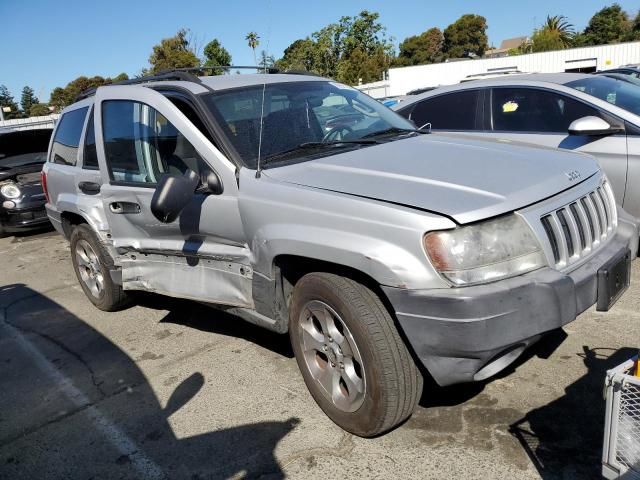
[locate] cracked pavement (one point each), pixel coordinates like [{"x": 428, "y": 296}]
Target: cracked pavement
[{"x": 171, "y": 389}]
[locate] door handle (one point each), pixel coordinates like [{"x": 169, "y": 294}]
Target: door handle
[
  {"x": 90, "y": 188},
  {"x": 124, "y": 207}
]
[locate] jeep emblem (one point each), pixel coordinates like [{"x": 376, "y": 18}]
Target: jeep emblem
[{"x": 573, "y": 175}]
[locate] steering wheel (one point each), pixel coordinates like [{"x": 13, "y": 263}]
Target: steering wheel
[{"x": 337, "y": 133}]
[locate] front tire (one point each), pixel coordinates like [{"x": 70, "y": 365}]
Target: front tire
[
  {"x": 352, "y": 359},
  {"x": 92, "y": 264}
]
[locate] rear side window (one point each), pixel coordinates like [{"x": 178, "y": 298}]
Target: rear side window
[
  {"x": 67, "y": 137},
  {"x": 453, "y": 111},
  {"x": 90, "y": 157},
  {"x": 141, "y": 145},
  {"x": 533, "y": 110}
]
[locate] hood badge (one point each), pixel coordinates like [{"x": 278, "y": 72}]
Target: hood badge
[{"x": 573, "y": 175}]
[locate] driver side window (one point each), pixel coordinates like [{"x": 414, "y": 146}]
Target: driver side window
[{"x": 141, "y": 145}]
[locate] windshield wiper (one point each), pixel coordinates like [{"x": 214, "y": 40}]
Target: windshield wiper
[
  {"x": 394, "y": 131},
  {"x": 320, "y": 146}
]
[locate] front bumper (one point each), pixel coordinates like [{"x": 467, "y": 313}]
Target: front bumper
[
  {"x": 27, "y": 212},
  {"x": 17, "y": 220},
  {"x": 468, "y": 334}
]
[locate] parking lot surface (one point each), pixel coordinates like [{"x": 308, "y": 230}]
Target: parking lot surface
[{"x": 171, "y": 389}]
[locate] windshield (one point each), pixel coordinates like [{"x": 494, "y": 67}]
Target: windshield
[
  {"x": 617, "y": 92},
  {"x": 300, "y": 114}
]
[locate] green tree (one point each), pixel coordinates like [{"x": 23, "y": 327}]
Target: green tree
[
  {"x": 609, "y": 25},
  {"x": 7, "y": 102},
  {"x": 27, "y": 99},
  {"x": 300, "y": 55},
  {"x": 121, "y": 77},
  {"x": 361, "y": 66},
  {"x": 59, "y": 99},
  {"x": 634, "y": 29},
  {"x": 216, "y": 54},
  {"x": 560, "y": 27},
  {"x": 421, "y": 49},
  {"x": 341, "y": 47},
  {"x": 465, "y": 37},
  {"x": 39, "y": 110},
  {"x": 253, "y": 40},
  {"x": 544, "y": 40},
  {"x": 171, "y": 53}
]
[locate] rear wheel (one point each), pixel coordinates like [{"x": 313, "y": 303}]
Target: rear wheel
[
  {"x": 92, "y": 264},
  {"x": 351, "y": 356}
]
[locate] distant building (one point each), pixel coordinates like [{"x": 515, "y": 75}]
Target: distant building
[
  {"x": 31, "y": 123},
  {"x": 505, "y": 46},
  {"x": 584, "y": 60}
]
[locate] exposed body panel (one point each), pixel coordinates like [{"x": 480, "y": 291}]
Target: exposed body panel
[
  {"x": 208, "y": 231},
  {"x": 381, "y": 240}
]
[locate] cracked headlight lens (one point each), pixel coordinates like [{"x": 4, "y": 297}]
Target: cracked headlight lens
[
  {"x": 10, "y": 190},
  {"x": 485, "y": 252}
]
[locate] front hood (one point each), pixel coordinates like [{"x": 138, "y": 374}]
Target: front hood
[
  {"x": 464, "y": 178},
  {"x": 20, "y": 171}
]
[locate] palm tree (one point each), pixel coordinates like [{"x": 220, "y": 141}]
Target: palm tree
[
  {"x": 254, "y": 40},
  {"x": 559, "y": 24}
]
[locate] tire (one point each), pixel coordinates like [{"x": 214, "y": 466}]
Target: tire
[
  {"x": 95, "y": 264},
  {"x": 380, "y": 385}
]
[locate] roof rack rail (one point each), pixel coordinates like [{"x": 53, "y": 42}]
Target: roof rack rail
[
  {"x": 187, "y": 75},
  {"x": 271, "y": 70},
  {"x": 177, "y": 74},
  {"x": 300, "y": 72},
  {"x": 228, "y": 67}
]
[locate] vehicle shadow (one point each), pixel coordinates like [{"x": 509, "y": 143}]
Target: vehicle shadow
[
  {"x": 564, "y": 438},
  {"x": 213, "y": 320},
  {"x": 45, "y": 230},
  {"x": 74, "y": 405}
]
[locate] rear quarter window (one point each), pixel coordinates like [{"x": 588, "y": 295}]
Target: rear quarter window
[{"x": 67, "y": 137}]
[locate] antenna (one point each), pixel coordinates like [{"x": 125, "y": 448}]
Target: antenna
[{"x": 264, "y": 88}]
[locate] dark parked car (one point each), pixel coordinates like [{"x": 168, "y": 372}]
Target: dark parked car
[
  {"x": 22, "y": 199},
  {"x": 629, "y": 70}
]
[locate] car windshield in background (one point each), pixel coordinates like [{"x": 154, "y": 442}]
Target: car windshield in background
[
  {"x": 617, "y": 92},
  {"x": 302, "y": 119}
]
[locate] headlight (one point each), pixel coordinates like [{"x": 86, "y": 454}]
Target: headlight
[
  {"x": 10, "y": 190},
  {"x": 485, "y": 252}
]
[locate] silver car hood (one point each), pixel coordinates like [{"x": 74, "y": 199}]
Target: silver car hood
[{"x": 462, "y": 177}]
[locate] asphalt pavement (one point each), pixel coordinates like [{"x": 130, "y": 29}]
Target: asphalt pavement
[{"x": 170, "y": 389}]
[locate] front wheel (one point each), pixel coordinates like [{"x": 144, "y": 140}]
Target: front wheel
[{"x": 352, "y": 359}]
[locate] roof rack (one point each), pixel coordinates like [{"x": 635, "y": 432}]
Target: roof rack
[
  {"x": 187, "y": 75},
  {"x": 177, "y": 74}
]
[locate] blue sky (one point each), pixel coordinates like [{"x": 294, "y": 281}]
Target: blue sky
[{"x": 45, "y": 44}]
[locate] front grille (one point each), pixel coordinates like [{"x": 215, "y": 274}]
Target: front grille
[{"x": 576, "y": 230}]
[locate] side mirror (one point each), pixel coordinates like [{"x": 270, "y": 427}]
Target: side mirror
[
  {"x": 210, "y": 183},
  {"x": 592, "y": 126},
  {"x": 172, "y": 194}
]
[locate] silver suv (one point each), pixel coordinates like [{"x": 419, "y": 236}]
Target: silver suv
[{"x": 304, "y": 206}]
